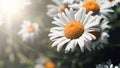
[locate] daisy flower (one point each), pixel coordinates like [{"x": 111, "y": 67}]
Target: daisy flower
[
  {"x": 44, "y": 63},
  {"x": 60, "y": 6},
  {"x": 114, "y": 2},
  {"x": 102, "y": 36},
  {"x": 73, "y": 29},
  {"x": 107, "y": 65},
  {"x": 29, "y": 31},
  {"x": 99, "y": 7}
]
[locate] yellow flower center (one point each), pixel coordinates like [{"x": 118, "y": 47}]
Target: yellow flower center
[
  {"x": 62, "y": 9},
  {"x": 91, "y": 5},
  {"x": 73, "y": 30},
  {"x": 31, "y": 28},
  {"x": 96, "y": 34},
  {"x": 49, "y": 64}
]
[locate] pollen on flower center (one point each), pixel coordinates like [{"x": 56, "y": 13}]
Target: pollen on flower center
[
  {"x": 62, "y": 9},
  {"x": 31, "y": 28},
  {"x": 91, "y": 5},
  {"x": 49, "y": 64},
  {"x": 73, "y": 30}
]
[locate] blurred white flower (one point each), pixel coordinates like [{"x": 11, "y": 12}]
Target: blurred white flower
[
  {"x": 107, "y": 65},
  {"x": 100, "y": 7},
  {"x": 102, "y": 36},
  {"x": 72, "y": 29},
  {"x": 114, "y": 2},
  {"x": 59, "y": 7},
  {"x": 43, "y": 62},
  {"x": 29, "y": 31}
]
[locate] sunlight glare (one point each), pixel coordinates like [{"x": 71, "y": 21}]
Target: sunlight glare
[{"x": 12, "y": 6}]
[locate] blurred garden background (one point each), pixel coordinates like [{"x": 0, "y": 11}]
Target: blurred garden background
[{"x": 16, "y": 53}]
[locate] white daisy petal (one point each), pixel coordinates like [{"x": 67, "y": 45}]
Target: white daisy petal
[
  {"x": 71, "y": 14},
  {"x": 87, "y": 17},
  {"x": 92, "y": 36},
  {"x": 91, "y": 20},
  {"x": 59, "y": 46},
  {"x": 91, "y": 23},
  {"x": 62, "y": 23},
  {"x": 87, "y": 36},
  {"x": 78, "y": 14},
  {"x": 57, "y": 35},
  {"x": 62, "y": 19},
  {"x": 71, "y": 45},
  {"x": 57, "y": 28},
  {"x": 68, "y": 14},
  {"x": 88, "y": 45},
  {"x": 83, "y": 15},
  {"x": 116, "y": 67},
  {"x": 75, "y": 6},
  {"x": 57, "y": 23},
  {"x": 93, "y": 29},
  {"x": 64, "y": 16},
  {"x": 81, "y": 44},
  {"x": 105, "y": 11},
  {"x": 58, "y": 41}
]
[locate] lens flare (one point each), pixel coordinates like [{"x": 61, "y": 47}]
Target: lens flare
[{"x": 12, "y": 6}]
